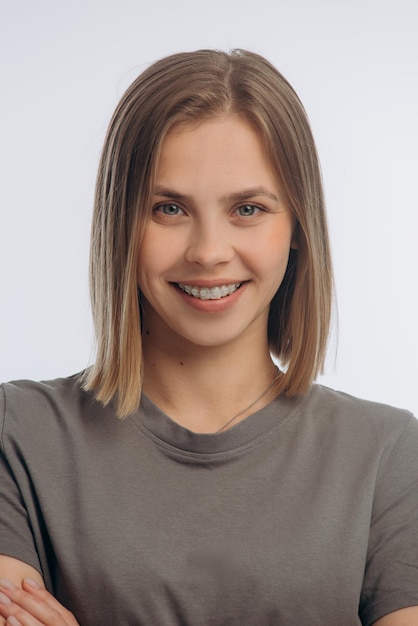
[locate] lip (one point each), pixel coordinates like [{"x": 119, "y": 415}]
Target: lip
[
  {"x": 211, "y": 306},
  {"x": 214, "y": 282}
]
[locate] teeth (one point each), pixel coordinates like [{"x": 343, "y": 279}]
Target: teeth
[{"x": 206, "y": 293}]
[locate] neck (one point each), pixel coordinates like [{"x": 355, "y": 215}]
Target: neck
[{"x": 202, "y": 388}]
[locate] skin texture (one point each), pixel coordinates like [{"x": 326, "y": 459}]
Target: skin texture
[
  {"x": 404, "y": 617},
  {"x": 209, "y": 235},
  {"x": 15, "y": 570}
]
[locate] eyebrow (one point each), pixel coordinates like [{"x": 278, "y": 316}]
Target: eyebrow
[{"x": 236, "y": 196}]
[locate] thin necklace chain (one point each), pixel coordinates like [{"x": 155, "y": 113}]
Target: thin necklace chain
[{"x": 258, "y": 398}]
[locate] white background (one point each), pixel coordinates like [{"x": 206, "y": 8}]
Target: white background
[{"x": 64, "y": 66}]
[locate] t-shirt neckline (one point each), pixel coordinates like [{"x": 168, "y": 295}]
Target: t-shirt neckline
[{"x": 167, "y": 431}]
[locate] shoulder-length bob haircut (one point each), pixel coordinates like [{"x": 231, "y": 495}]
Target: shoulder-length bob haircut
[{"x": 189, "y": 87}]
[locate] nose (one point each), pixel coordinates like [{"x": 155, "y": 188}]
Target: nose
[{"x": 209, "y": 245}]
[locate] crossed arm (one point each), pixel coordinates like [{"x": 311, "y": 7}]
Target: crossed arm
[{"x": 25, "y": 602}]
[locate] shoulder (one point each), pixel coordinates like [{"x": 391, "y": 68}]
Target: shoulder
[
  {"x": 24, "y": 389},
  {"x": 339, "y": 405},
  {"x": 32, "y": 399},
  {"x": 358, "y": 422},
  {"x": 341, "y": 401},
  {"x": 31, "y": 409}
]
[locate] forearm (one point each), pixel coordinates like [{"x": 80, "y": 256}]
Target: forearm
[
  {"x": 16, "y": 570},
  {"x": 20, "y": 604}
]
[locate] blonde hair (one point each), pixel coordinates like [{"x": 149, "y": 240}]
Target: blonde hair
[{"x": 193, "y": 86}]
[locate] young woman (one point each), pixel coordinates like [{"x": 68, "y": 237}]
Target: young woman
[{"x": 231, "y": 491}]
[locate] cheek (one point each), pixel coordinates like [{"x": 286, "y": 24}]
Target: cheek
[
  {"x": 147, "y": 262},
  {"x": 275, "y": 247},
  {"x": 156, "y": 256},
  {"x": 273, "y": 258}
]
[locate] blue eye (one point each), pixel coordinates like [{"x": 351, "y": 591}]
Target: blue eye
[
  {"x": 171, "y": 210},
  {"x": 247, "y": 210}
]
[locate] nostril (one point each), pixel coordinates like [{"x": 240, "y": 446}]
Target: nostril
[{"x": 210, "y": 254}]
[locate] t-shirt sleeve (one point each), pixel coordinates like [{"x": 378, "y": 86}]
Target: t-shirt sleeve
[
  {"x": 391, "y": 575},
  {"x": 16, "y": 538}
]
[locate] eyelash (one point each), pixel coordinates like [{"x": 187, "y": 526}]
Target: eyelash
[
  {"x": 251, "y": 206},
  {"x": 160, "y": 208}
]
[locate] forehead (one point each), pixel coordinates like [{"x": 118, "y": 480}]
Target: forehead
[{"x": 227, "y": 146}]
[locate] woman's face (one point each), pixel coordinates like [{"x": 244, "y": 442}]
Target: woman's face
[{"x": 217, "y": 245}]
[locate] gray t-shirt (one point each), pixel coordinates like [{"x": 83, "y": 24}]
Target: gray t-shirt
[{"x": 303, "y": 514}]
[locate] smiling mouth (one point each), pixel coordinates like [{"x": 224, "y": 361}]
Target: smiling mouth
[{"x": 209, "y": 293}]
